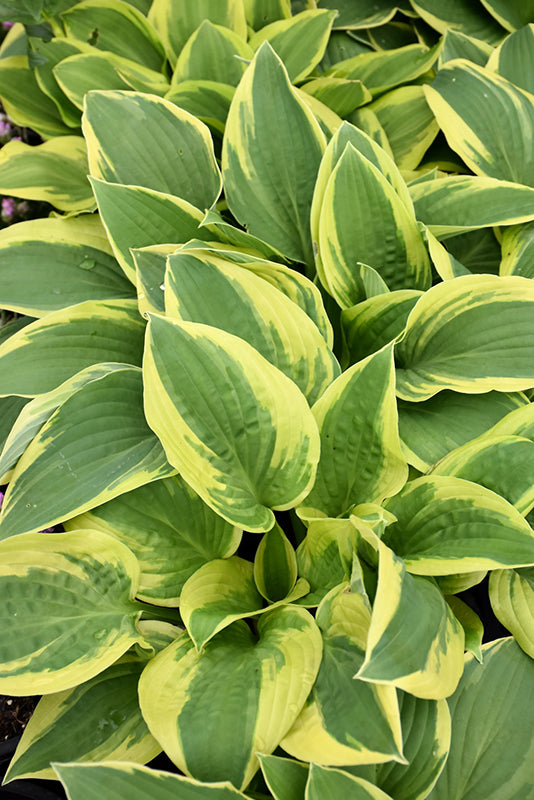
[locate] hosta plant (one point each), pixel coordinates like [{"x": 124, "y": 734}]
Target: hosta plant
[{"x": 271, "y": 372}]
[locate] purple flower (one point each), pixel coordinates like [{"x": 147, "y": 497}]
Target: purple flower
[
  {"x": 5, "y": 128},
  {"x": 1, "y": 499},
  {"x": 7, "y": 25},
  {"x": 8, "y": 209}
]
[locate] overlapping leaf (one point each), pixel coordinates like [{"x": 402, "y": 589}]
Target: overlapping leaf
[{"x": 241, "y": 435}]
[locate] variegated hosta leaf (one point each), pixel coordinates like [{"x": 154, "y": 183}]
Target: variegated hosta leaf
[
  {"x": 486, "y": 119},
  {"x": 371, "y": 324},
  {"x": 38, "y": 410},
  {"x": 271, "y": 153},
  {"x": 25, "y": 102},
  {"x": 171, "y": 531},
  {"x": 370, "y": 226},
  {"x": 470, "y": 622},
  {"x": 511, "y": 14},
  {"x": 504, "y": 464},
  {"x": 10, "y": 408},
  {"x": 54, "y": 172},
  {"x": 325, "y": 556},
  {"x": 175, "y": 24},
  {"x": 431, "y": 664},
  {"x": 239, "y": 239},
  {"x": 209, "y": 101},
  {"x": 242, "y": 694},
  {"x": 511, "y": 593},
  {"x": 491, "y": 747},
  {"x": 299, "y": 41},
  {"x": 240, "y": 432},
  {"x": 372, "y": 151},
  {"x": 459, "y": 15},
  {"x": 182, "y": 162},
  {"x": 263, "y": 12},
  {"x": 297, "y": 287},
  {"x": 214, "y": 291},
  {"x": 150, "y": 265},
  {"x": 136, "y": 217},
  {"x": 221, "y": 592},
  {"x": 275, "y": 565},
  {"x": 384, "y": 69},
  {"x": 459, "y": 45},
  {"x": 100, "y": 720},
  {"x": 79, "y": 74},
  {"x": 49, "y": 264},
  {"x": 460, "y": 203},
  {"x": 216, "y": 595},
  {"x": 518, "y": 422},
  {"x": 346, "y": 721},
  {"x": 426, "y": 733},
  {"x": 285, "y": 777},
  {"x": 96, "y": 446},
  {"x": 328, "y": 120},
  {"x": 514, "y": 58},
  {"x": 361, "y": 459},
  {"x": 472, "y": 334},
  {"x": 213, "y": 53},
  {"x": 68, "y": 610},
  {"x": 431, "y": 429},
  {"x": 45, "y": 56},
  {"x": 364, "y": 14},
  {"x": 121, "y": 28},
  {"x": 51, "y": 350},
  {"x": 448, "y": 525},
  {"x": 518, "y": 250},
  {"x": 408, "y": 122},
  {"x": 117, "y": 780},
  {"x": 340, "y": 94},
  {"x": 330, "y": 784}
]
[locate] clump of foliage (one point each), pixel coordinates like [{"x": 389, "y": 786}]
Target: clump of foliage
[{"x": 273, "y": 375}]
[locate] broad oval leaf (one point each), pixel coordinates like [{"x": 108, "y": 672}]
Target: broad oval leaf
[
  {"x": 460, "y": 203},
  {"x": 486, "y": 119},
  {"x": 215, "y": 291},
  {"x": 54, "y": 172},
  {"x": 431, "y": 666},
  {"x": 117, "y": 780},
  {"x": 182, "y": 161},
  {"x": 361, "y": 459},
  {"x": 299, "y": 41},
  {"x": 504, "y": 464},
  {"x": 448, "y": 525},
  {"x": 254, "y": 688},
  {"x": 171, "y": 531},
  {"x": 372, "y": 227},
  {"x": 472, "y": 334},
  {"x": 511, "y": 593},
  {"x": 175, "y": 24},
  {"x": 96, "y": 446},
  {"x": 459, "y": 15},
  {"x": 491, "y": 746},
  {"x": 120, "y": 28},
  {"x": 136, "y": 217},
  {"x": 213, "y": 53},
  {"x": 426, "y": 733},
  {"x": 431, "y": 429},
  {"x": 243, "y": 437},
  {"x": 285, "y": 777},
  {"x": 330, "y": 784},
  {"x": 49, "y": 264},
  {"x": 37, "y": 411},
  {"x": 370, "y": 325},
  {"x": 271, "y": 153},
  {"x": 345, "y": 721},
  {"x": 51, "y": 350},
  {"x": 100, "y": 720},
  {"x": 69, "y": 611}
]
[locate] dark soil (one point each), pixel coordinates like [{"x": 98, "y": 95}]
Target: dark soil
[{"x": 14, "y": 715}]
